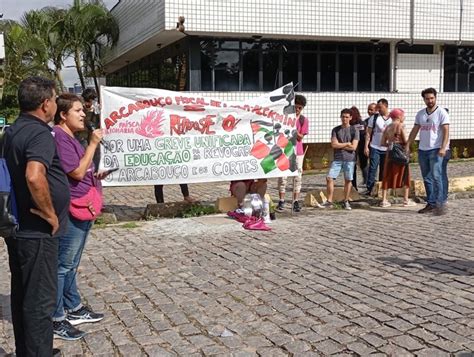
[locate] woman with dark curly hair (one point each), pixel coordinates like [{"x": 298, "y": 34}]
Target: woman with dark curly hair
[{"x": 359, "y": 124}]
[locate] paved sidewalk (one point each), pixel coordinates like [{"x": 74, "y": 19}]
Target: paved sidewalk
[
  {"x": 129, "y": 203},
  {"x": 321, "y": 283}
]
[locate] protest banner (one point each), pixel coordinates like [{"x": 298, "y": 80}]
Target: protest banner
[{"x": 155, "y": 136}]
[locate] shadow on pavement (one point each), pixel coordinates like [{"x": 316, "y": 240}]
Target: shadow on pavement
[{"x": 437, "y": 265}]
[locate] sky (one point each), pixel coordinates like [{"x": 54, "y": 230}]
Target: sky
[{"x": 14, "y": 9}]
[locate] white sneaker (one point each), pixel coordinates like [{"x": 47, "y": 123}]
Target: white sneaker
[
  {"x": 409, "y": 203},
  {"x": 346, "y": 205}
]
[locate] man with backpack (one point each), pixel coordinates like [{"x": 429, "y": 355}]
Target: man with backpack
[
  {"x": 344, "y": 141},
  {"x": 42, "y": 196},
  {"x": 376, "y": 154}
]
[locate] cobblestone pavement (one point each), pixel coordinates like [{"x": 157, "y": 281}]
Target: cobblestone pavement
[
  {"x": 321, "y": 283},
  {"x": 129, "y": 203}
]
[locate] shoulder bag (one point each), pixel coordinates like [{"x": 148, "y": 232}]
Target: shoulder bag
[
  {"x": 398, "y": 155},
  {"x": 87, "y": 207}
]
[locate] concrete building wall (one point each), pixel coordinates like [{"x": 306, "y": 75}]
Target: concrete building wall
[
  {"x": 415, "y": 71},
  {"x": 440, "y": 19},
  {"x": 323, "y": 109},
  {"x": 434, "y": 20},
  {"x": 386, "y": 19},
  {"x": 138, "y": 21}
]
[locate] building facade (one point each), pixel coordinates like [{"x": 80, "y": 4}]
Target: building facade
[{"x": 339, "y": 53}]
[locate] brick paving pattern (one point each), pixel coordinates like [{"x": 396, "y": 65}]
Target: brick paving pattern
[
  {"x": 320, "y": 283},
  {"x": 129, "y": 203}
]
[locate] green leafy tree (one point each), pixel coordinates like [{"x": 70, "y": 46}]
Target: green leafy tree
[
  {"x": 90, "y": 29},
  {"x": 47, "y": 26},
  {"x": 24, "y": 57}
]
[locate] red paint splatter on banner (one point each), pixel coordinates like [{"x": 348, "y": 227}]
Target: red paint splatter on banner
[
  {"x": 283, "y": 163},
  {"x": 260, "y": 150},
  {"x": 151, "y": 124}
]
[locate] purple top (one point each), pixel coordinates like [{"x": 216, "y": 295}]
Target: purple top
[{"x": 70, "y": 153}]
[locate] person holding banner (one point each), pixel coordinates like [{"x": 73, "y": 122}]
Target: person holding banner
[
  {"x": 302, "y": 124},
  {"x": 86, "y": 204},
  {"x": 184, "y": 190}
]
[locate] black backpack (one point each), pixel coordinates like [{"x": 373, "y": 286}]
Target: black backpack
[
  {"x": 8, "y": 207},
  {"x": 376, "y": 116}
]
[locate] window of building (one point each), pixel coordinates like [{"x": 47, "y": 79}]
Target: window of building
[
  {"x": 420, "y": 49},
  {"x": 328, "y": 72},
  {"x": 166, "y": 68},
  {"x": 250, "y": 70},
  {"x": 364, "y": 72},
  {"x": 459, "y": 69},
  {"x": 312, "y": 66},
  {"x": 264, "y": 65},
  {"x": 309, "y": 71},
  {"x": 346, "y": 72},
  {"x": 270, "y": 69},
  {"x": 226, "y": 70},
  {"x": 290, "y": 66}
]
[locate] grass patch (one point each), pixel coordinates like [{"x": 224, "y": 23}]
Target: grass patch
[
  {"x": 129, "y": 225},
  {"x": 196, "y": 210}
]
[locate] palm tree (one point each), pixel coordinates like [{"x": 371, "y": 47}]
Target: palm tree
[
  {"x": 47, "y": 27},
  {"x": 24, "y": 56},
  {"x": 89, "y": 29}
]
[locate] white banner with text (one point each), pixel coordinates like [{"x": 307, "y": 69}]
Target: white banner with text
[{"x": 154, "y": 136}]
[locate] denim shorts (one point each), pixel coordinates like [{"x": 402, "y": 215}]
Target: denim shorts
[{"x": 346, "y": 166}]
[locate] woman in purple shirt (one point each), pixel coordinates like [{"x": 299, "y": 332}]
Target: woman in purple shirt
[{"x": 77, "y": 164}]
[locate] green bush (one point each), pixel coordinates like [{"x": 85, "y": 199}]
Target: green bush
[
  {"x": 465, "y": 153},
  {"x": 9, "y": 113},
  {"x": 197, "y": 210},
  {"x": 414, "y": 152},
  {"x": 455, "y": 153}
]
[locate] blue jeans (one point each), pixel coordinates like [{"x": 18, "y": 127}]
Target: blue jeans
[
  {"x": 377, "y": 159},
  {"x": 431, "y": 165},
  {"x": 71, "y": 246},
  {"x": 444, "y": 176}
]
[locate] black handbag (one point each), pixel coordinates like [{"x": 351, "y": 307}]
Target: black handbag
[{"x": 398, "y": 155}]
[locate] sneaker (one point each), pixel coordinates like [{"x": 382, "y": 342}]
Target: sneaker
[
  {"x": 366, "y": 193},
  {"x": 296, "y": 206},
  {"x": 84, "y": 314},
  {"x": 440, "y": 211},
  {"x": 328, "y": 204},
  {"x": 239, "y": 210},
  {"x": 385, "y": 204},
  {"x": 65, "y": 331},
  {"x": 426, "y": 209},
  {"x": 190, "y": 199},
  {"x": 281, "y": 206},
  {"x": 409, "y": 203},
  {"x": 346, "y": 205}
]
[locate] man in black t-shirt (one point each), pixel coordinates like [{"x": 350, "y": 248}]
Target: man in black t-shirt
[{"x": 42, "y": 194}]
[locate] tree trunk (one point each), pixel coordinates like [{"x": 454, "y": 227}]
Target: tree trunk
[
  {"x": 59, "y": 80},
  {"x": 94, "y": 76},
  {"x": 77, "y": 61},
  {"x": 57, "y": 75}
]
